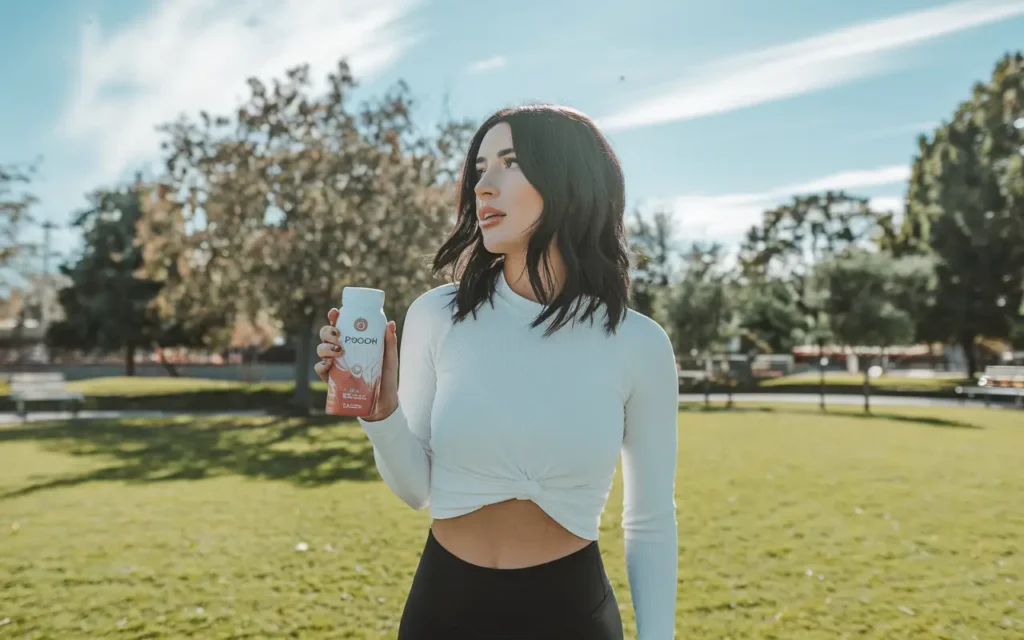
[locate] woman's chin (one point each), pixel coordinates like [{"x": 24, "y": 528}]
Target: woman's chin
[{"x": 496, "y": 245}]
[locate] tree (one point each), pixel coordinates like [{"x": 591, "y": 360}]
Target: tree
[
  {"x": 696, "y": 308},
  {"x": 15, "y": 204},
  {"x": 653, "y": 244},
  {"x": 867, "y": 298},
  {"x": 778, "y": 256},
  {"x": 106, "y": 306},
  {"x": 966, "y": 208},
  {"x": 191, "y": 310},
  {"x": 297, "y": 195},
  {"x": 768, "y": 313}
]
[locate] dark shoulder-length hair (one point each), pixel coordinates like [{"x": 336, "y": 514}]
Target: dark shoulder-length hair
[{"x": 571, "y": 164}]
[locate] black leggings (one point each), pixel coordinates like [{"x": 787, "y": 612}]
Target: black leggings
[{"x": 567, "y": 598}]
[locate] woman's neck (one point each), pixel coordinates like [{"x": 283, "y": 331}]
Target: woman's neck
[{"x": 519, "y": 279}]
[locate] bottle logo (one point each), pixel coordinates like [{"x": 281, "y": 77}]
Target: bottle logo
[{"x": 361, "y": 324}]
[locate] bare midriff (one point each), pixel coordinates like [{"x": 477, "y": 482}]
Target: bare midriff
[{"x": 507, "y": 535}]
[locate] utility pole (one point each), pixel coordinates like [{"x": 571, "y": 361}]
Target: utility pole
[
  {"x": 47, "y": 227},
  {"x": 45, "y": 297}
]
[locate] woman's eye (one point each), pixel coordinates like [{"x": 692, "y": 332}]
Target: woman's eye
[{"x": 508, "y": 160}]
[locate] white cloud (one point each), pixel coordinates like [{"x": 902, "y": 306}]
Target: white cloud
[
  {"x": 891, "y": 174},
  {"x": 725, "y": 217},
  {"x": 808, "y": 65},
  {"x": 188, "y": 55},
  {"x": 488, "y": 65},
  {"x": 893, "y": 204}
]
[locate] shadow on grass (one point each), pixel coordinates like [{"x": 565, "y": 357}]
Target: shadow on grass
[
  {"x": 896, "y": 417},
  {"x": 701, "y": 408},
  {"x": 304, "y": 451},
  {"x": 925, "y": 420}
]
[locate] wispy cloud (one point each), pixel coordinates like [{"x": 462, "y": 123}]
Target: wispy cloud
[
  {"x": 893, "y": 204},
  {"x": 859, "y": 179},
  {"x": 488, "y": 65},
  {"x": 808, "y": 65},
  {"x": 188, "y": 55},
  {"x": 726, "y": 216}
]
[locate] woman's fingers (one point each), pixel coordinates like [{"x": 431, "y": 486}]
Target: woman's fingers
[
  {"x": 391, "y": 348},
  {"x": 329, "y": 350},
  {"x": 329, "y": 334},
  {"x": 323, "y": 369}
]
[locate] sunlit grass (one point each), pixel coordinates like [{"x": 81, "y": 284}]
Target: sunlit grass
[
  {"x": 792, "y": 524},
  {"x": 128, "y": 386},
  {"x": 147, "y": 385},
  {"x": 887, "y": 382}
]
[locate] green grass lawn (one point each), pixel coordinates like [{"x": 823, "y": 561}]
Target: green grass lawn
[
  {"x": 139, "y": 387},
  {"x": 906, "y": 524},
  {"x": 887, "y": 382},
  {"x": 142, "y": 386}
]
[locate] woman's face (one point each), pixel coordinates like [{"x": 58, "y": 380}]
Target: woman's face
[{"x": 501, "y": 185}]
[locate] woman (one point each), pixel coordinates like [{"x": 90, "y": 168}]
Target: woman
[{"x": 511, "y": 434}]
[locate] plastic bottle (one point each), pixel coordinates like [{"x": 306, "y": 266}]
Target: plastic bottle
[{"x": 352, "y": 384}]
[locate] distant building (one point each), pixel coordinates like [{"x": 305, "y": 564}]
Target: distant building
[{"x": 25, "y": 316}]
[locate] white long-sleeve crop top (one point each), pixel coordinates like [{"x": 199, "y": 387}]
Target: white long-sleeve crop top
[{"x": 490, "y": 410}]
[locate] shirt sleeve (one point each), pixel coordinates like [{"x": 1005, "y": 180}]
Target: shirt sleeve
[
  {"x": 401, "y": 441},
  {"x": 649, "y": 458}
]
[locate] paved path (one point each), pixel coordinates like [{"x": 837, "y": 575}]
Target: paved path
[
  {"x": 718, "y": 398},
  {"x": 838, "y": 399}
]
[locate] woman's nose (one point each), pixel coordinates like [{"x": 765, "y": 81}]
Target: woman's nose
[{"x": 485, "y": 188}]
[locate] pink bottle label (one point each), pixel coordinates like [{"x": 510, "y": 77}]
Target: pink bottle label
[{"x": 352, "y": 383}]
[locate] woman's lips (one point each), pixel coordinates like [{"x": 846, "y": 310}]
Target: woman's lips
[{"x": 492, "y": 220}]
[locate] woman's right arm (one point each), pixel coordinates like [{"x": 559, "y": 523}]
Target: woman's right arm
[{"x": 401, "y": 440}]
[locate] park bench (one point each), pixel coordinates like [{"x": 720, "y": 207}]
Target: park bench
[
  {"x": 43, "y": 387},
  {"x": 998, "y": 381}
]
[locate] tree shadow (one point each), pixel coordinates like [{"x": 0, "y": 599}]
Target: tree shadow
[
  {"x": 304, "y": 451},
  {"x": 930, "y": 421},
  {"x": 925, "y": 420},
  {"x": 736, "y": 408}
]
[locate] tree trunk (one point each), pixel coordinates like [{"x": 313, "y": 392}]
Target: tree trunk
[
  {"x": 707, "y": 384},
  {"x": 867, "y": 390},
  {"x": 821, "y": 378},
  {"x": 172, "y": 370},
  {"x": 129, "y": 359},
  {"x": 303, "y": 364},
  {"x": 967, "y": 342}
]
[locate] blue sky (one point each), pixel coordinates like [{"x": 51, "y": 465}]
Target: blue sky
[{"x": 717, "y": 109}]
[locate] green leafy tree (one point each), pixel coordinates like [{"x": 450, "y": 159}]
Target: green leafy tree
[
  {"x": 695, "y": 309},
  {"x": 769, "y": 314},
  {"x": 652, "y": 242},
  {"x": 870, "y": 298},
  {"x": 109, "y": 303},
  {"x": 779, "y": 256},
  {"x": 106, "y": 306},
  {"x": 966, "y": 208},
  {"x": 298, "y": 194}
]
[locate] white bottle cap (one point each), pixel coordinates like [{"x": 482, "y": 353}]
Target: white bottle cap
[{"x": 362, "y": 296}]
